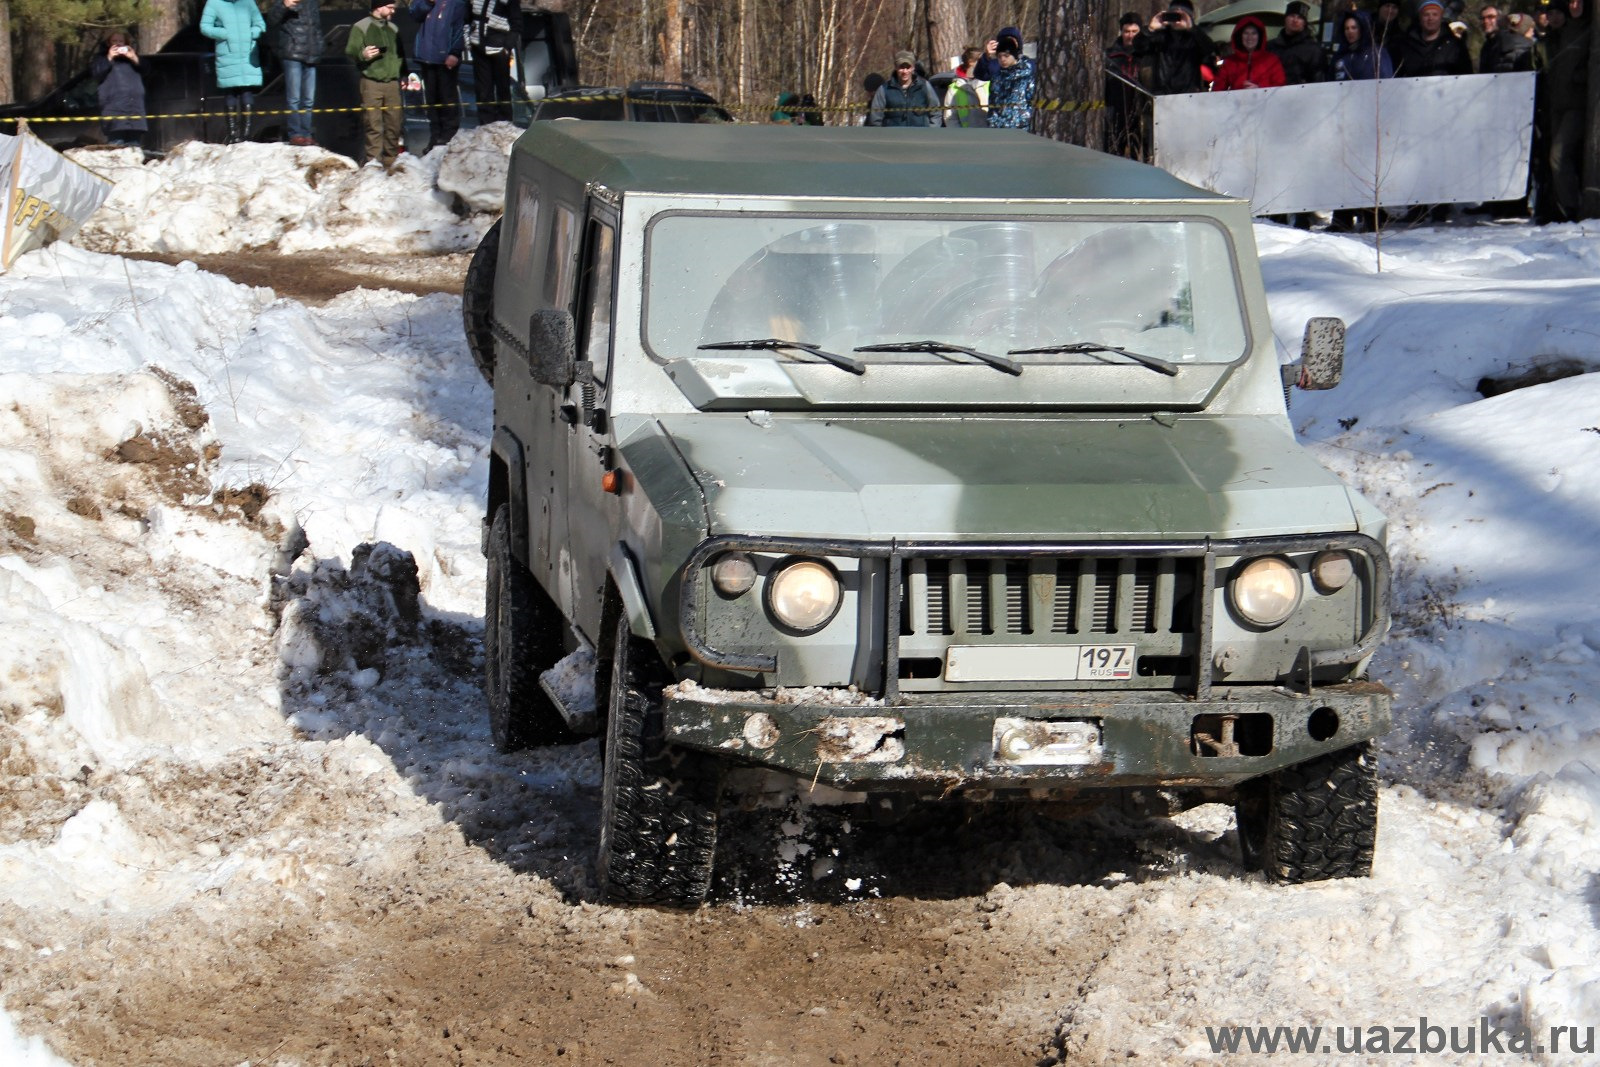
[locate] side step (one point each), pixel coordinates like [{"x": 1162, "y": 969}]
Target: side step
[{"x": 570, "y": 687}]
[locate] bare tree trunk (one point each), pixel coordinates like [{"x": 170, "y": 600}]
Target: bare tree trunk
[
  {"x": 947, "y": 29},
  {"x": 34, "y": 66},
  {"x": 1071, "y": 70},
  {"x": 160, "y": 25},
  {"x": 747, "y": 43},
  {"x": 8, "y": 84},
  {"x": 672, "y": 44},
  {"x": 1591, "y": 156}
]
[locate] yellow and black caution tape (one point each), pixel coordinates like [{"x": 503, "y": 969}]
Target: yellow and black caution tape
[{"x": 1039, "y": 104}]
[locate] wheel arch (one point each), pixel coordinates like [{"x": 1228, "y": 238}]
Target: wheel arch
[
  {"x": 508, "y": 485},
  {"x": 624, "y": 598}
]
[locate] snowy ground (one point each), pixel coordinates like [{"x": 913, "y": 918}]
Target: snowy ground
[{"x": 218, "y": 747}]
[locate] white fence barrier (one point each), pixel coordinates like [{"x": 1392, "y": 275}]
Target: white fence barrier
[{"x": 1445, "y": 140}]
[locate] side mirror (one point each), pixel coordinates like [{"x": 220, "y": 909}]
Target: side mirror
[
  {"x": 553, "y": 347},
  {"x": 1322, "y": 354}
]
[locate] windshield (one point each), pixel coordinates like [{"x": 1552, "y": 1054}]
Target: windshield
[{"x": 1163, "y": 287}]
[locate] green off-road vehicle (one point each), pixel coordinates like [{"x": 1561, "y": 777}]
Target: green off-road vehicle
[{"x": 933, "y": 464}]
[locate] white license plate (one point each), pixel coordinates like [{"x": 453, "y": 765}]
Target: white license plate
[{"x": 1038, "y": 663}]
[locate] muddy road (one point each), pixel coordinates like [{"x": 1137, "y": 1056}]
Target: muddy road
[{"x": 318, "y": 858}]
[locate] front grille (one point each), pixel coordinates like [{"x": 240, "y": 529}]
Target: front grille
[{"x": 1048, "y": 599}]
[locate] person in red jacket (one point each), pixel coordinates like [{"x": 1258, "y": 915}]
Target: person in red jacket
[{"x": 1251, "y": 65}]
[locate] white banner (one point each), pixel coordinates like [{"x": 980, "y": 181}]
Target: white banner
[
  {"x": 47, "y": 196},
  {"x": 1445, "y": 140}
]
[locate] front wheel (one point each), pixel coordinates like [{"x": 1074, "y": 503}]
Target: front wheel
[
  {"x": 522, "y": 639},
  {"x": 658, "y": 814},
  {"x": 1313, "y": 821}
]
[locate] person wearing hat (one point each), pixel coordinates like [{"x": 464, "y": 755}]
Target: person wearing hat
[
  {"x": 989, "y": 65},
  {"x": 1177, "y": 50},
  {"x": 1428, "y": 50},
  {"x": 1296, "y": 48},
  {"x": 374, "y": 47},
  {"x": 1011, "y": 90},
  {"x": 1124, "y": 101},
  {"x": 906, "y": 99}
]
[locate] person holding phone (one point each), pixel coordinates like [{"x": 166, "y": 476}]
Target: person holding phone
[
  {"x": 374, "y": 47},
  {"x": 1180, "y": 52},
  {"x": 121, "y": 92}
]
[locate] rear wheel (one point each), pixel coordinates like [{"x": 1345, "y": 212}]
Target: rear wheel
[
  {"x": 658, "y": 816},
  {"x": 522, "y": 639},
  {"x": 1313, "y": 821},
  {"x": 477, "y": 302}
]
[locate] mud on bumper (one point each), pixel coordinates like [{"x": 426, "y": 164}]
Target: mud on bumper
[{"x": 1027, "y": 740}]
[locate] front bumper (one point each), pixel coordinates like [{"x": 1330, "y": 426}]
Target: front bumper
[{"x": 943, "y": 742}]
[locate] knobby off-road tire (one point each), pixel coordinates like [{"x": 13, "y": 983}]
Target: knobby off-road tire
[
  {"x": 477, "y": 302},
  {"x": 1313, "y": 821},
  {"x": 658, "y": 817},
  {"x": 521, "y": 640}
]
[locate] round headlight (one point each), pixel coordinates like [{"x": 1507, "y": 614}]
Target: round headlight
[
  {"x": 803, "y": 595},
  {"x": 1266, "y": 591},
  {"x": 733, "y": 574},
  {"x": 1332, "y": 571}
]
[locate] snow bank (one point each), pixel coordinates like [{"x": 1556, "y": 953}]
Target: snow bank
[
  {"x": 364, "y": 419},
  {"x": 207, "y": 198}
]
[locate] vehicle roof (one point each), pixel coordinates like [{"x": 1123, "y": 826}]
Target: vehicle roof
[{"x": 745, "y": 160}]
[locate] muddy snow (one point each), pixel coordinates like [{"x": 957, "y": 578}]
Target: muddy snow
[{"x": 251, "y": 813}]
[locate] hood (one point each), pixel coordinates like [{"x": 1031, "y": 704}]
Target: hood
[
  {"x": 1261, "y": 28},
  {"x": 1005, "y": 478}
]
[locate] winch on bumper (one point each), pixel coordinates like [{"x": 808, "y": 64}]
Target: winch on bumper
[{"x": 1026, "y": 740}]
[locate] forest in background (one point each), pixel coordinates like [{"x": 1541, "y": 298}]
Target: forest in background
[{"x": 744, "y": 52}]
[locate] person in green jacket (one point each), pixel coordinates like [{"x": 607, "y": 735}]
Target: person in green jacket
[
  {"x": 236, "y": 26},
  {"x": 374, "y": 46}
]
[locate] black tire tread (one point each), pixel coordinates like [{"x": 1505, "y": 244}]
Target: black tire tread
[
  {"x": 522, "y": 639},
  {"x": 658, "y": 837},
  {"x": 1314, "y": 821},
  {"x": 477, "y": 302}
]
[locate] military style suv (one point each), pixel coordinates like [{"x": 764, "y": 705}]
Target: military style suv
[{"x": 950, "y": 465}]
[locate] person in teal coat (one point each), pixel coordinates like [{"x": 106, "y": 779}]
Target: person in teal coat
[{"x": 236, "y": 26}]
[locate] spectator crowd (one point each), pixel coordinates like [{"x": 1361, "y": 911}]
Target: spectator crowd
[
  {"x": 241, "y": 31},
  {"x": 1167, "y": 53}
]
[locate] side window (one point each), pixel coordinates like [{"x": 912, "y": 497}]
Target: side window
[
  {"x": 525, "y": 232},
  {"x": 559, "y": 277},
  {"x": 595, "y": 312}
]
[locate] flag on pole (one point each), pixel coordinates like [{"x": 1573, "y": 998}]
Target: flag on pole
[{"x": 47, "y": 195}]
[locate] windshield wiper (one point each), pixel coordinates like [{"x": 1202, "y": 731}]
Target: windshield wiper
[
  {"x": 1010, "y": 366},
  {"x": 1153, "y": 362},
  {"x": 772, "y": 344}
]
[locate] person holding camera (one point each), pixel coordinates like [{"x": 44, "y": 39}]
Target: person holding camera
[
  {"x": 1177, "y": 50},
  {"x": 374, "y": 47},
  {"x": 298, "y": 24},
  {"x": 121, "y": 92}
]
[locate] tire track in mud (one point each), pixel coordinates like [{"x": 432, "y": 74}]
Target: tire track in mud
[{"x": 440, "y": 957}]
